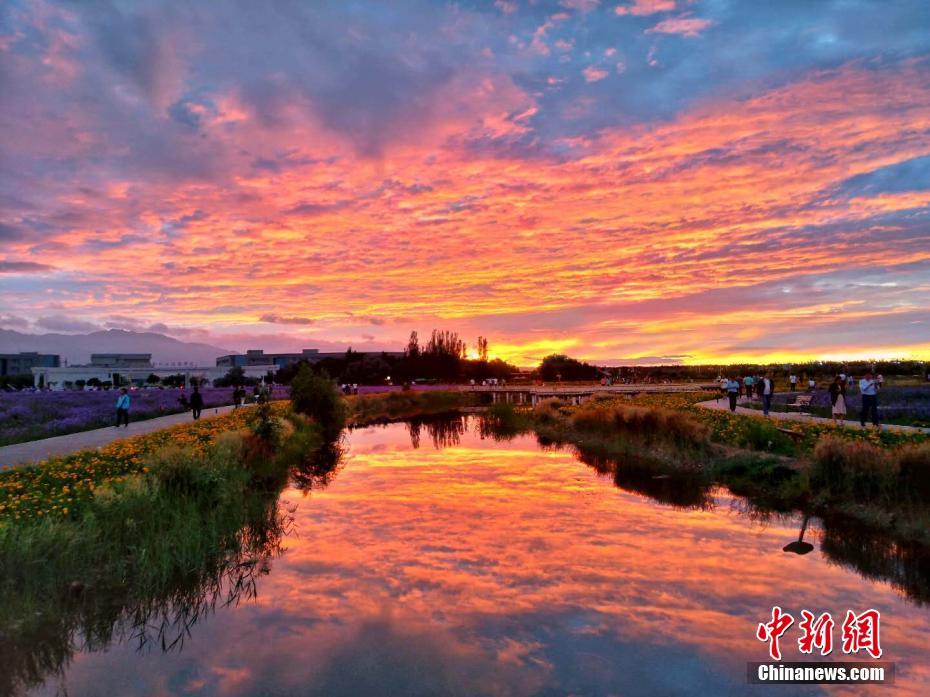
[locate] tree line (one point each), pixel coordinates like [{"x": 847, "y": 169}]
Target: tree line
[{"x": 443, "y": 357}]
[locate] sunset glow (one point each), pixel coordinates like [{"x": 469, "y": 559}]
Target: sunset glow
[{"x": 650, "y": 180}]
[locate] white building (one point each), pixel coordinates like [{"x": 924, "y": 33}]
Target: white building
[{"x": 134, "y": 368}]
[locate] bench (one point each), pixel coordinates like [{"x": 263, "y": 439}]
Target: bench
[{"x": 801, "y": 402}]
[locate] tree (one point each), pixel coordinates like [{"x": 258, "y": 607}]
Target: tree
[
  {"x": 482, "y": 348},
  {"x": 559, "y": 366},
  {"x": 413, "y": 346},
  {"x": 234, "y": 376},
  {"x": 173, "y": 380},
  {"x": 153, "y": 379}
]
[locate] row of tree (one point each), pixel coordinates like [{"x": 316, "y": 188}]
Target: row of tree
[
  {"x": 442, "y": 358},
  {"x": 562, "y": 367}
]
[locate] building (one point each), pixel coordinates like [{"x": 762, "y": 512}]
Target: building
[
  {"x": 131, "y": 369},
  {"x": 23, "y": 363},
  {"x": 121, "y": 360},
  {"x": 280, "y": 360},
  {"x": 259, "y": 357}
]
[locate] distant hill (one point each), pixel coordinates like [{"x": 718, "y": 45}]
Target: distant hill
[{"x": 76, "y": 348}]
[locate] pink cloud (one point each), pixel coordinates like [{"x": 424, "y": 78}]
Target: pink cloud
[
  {"x": 593, "y": 73},
  {"x": 685, "y": 26},
  {"x": 645, "y": 7}
]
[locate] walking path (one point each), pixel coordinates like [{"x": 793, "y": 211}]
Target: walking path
[
  {"x": 38, "y": 450},
  {"x": 723, "y": 405}
]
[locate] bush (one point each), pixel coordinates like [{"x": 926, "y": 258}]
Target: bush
[
  {"x": 303, "y": 444},
  {"x": 644, "y": 422},
  {"x": 314, "y": 394},
  {"x": 914, "y": 471},
  {"x": 856, "y": 468},
  {"x": 182, "y": 471},
  {"x": 757, "y": 434},
  {"x": 549, "y": 409}
]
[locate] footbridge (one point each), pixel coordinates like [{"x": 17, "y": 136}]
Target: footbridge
[{"x": 575, "y": 394}]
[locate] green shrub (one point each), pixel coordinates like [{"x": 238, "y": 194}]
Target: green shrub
[
  {"x": 303, "y": 444},
  {"x": 180, "y": 470},
  {"x": 856, "y": 468},
  {"x": 314, "y": 394},
  {"x": 914, "y": 471},
  {"x": 757, "y": 434}
]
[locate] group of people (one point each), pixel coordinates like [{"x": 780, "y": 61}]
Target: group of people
[
  {"x": 868, "y": 390},
  {"x": 764, "y": 387},
  {"x": 761, "y": 385},
  {"x": 194, "y": 404}
]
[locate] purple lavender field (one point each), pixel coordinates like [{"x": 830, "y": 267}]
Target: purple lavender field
[{"x": 26, "y": 416}]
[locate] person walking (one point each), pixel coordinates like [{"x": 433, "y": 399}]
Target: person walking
[
  {"x": 868, "y": 388},
  {"x": 793, "y": 382},
  {"x": 838, "y": 400},
  {"x": 122, "y": 408},
  {"x": 196, "y": 402},
  {"x": 733, "y": 392},
  {"x": 747, "y": 383},
  {"x": 768, "y": 389}
]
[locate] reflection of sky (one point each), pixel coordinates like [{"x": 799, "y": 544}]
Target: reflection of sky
[
  {"x": 502, "y": 570},
  {"x": 604, "y": 178}
]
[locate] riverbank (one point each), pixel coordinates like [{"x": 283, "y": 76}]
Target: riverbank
[
  {"x": 875, "y": 478},
  {"x": 163, "y": 526}
]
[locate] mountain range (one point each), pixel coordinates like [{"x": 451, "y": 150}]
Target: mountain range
[{"x": 76, "y": 348}]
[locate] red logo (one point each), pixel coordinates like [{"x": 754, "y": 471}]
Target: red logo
[{"x": 860, "y": 632}]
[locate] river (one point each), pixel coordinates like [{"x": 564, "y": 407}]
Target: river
[{"x": 436, "y": 560}]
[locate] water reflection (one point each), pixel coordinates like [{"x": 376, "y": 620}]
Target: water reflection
[
  {"x": 501, "y": 568},
  {"x": 44, "y": 624},
  {"x": 318, "y": 468},
  {"x": 905, "y": 566},
  {"x": 444, "y": 430},
  {"x": 799, "y": 546}
]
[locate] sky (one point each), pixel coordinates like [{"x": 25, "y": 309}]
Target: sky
[{"x": 636, "y": 180}]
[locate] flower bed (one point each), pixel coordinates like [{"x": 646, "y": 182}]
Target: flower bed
[{"x": 60, "y": 486}]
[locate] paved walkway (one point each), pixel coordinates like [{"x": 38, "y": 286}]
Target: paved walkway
[
  {"x": 723, "y": 404},
  {"x": 38, "y": 450}
]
